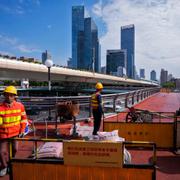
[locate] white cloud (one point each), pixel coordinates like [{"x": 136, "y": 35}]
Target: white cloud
[
  {"x": 97, "y": 8},
  {"x": 157, "y": 31},
  {"x": 7, "y": 40},
  {"x": 20, "y": 7},
  {"x": 24, "y": 49},
  {"x": 49, "y": 26},
  {"x": 86, "y": 13},
  {"x": 13, "y": 43},
  {"x": 37, "y": 2},
  {"x": 13, "y": 9},
  {"x": 6, "y": 53}
]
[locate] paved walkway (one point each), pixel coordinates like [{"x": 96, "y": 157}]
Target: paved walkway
[{"x": 160, "y": 102}]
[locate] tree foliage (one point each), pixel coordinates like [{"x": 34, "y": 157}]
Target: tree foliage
[{"x": 168, "y": 85}]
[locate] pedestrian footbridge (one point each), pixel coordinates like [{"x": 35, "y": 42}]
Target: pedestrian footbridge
[{"x": 17, "y": 70}]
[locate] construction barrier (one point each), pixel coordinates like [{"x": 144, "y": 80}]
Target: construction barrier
[
  {"x": 160, "y": 133},
  {"x": 46, "y": 171},
  {"x": 165, "y": 90},
  {"x": 83, "y": 160},
  {"x": 178, "y": 132}
]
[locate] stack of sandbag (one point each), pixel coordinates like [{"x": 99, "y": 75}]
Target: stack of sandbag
[
  {"x": 83, "y": 130},
  {"x": 113, "y": 136},
  {"x": 110, "y": 136},
  {"x": 50, "y": 150}
]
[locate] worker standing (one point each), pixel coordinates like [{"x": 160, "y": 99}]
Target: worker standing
[
  {"x": 96, "y": 105},
  {"x": 13, "y": 121}
]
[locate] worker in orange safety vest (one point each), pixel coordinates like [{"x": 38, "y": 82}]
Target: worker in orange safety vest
[{"x": 13, "y": 121}]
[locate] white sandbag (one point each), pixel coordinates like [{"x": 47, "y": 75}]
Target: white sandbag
[
  {"x": 110, "y": 136},
  {"x": 82, "y": 130},
  {"x": 50, "y": 150}
]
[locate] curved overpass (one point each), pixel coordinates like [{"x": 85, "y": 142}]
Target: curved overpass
[{"x": 16, "y": 70}]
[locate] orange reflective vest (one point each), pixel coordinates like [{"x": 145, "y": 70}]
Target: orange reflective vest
[{"x": 13, "y": 120}]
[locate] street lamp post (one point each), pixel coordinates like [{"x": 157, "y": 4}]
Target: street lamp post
[{"x": 49, "y": 64}]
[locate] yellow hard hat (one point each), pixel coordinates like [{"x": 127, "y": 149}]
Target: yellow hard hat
[
  {"x": 99, "y": 85},
  {"x": 10, "y": 89}
]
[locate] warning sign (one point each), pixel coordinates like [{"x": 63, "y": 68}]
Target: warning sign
[{"x": 106, "y": 154}]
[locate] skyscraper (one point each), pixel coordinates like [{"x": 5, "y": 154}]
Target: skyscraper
[
  {"x": 85, "y": 43},
  {"x": 170, "y": 77},
  {"x": 77, "y": 33},
  {"x": 45, "y": 56},
  {"x": 163, "y": 76},
  {"x": 128, "y": 43},
  {"x": 153, "y": 75},
  {"x": 114, "y": 60},
  {"x": 91, "y": 46},
  {"x": 142, "y": 73},
  {"x": 69, "y": 63}
]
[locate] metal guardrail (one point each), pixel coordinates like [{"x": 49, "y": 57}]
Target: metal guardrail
[{"x": 40, "y": 108}]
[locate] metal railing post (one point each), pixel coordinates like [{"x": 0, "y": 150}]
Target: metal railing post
[
  {"x": 114, "y": 103},
  {"x": 126, "y": 101},
  {"x": 133, "y": 98},
  {"x": 89, "y": 107}
]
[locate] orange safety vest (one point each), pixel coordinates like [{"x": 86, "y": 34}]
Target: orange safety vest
[
  {"x": 13, "y": 120},
  {"x": 94, "y": 101}
]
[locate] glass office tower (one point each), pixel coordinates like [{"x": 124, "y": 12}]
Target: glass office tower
[
  {"x": 91, "y": 46},
  {"x": 114, "y": 59},
  {"x": 153, "y": 75},
  {"x": 85, "y": 43},
  {"x": 163, "y": 76},
  {"x": 142, "y": 73},
  {"x": 128, "y": 43},
  {"x": 77, "y": 33}
]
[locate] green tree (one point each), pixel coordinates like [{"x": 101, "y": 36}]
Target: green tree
[{"x": 169, "y": 85}]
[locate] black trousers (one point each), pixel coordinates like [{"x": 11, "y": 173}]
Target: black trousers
[
  {"x": 4, "y": 152},
  {"x": 97, "y": 120}
]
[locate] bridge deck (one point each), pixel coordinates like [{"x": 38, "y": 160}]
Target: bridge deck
[
  {"x": 168, "y": 164},
  {"x": 160, "y": 102}
]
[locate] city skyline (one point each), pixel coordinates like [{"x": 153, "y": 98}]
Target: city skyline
[{"x": 30, "y": 27}]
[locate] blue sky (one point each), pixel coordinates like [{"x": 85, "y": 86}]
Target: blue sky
[{"x": 28, "y": 27}]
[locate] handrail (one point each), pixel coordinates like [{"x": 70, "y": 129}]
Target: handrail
[{"x": 119, "y": 100}]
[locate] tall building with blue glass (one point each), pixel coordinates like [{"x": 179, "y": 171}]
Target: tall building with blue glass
[
  {"x": 77, "y": 33},
  {"x": 128, "y": 43},
  {"x": 91, "y": 45},
  {"x": 142, "y": 73},
  {"x": 115, "y": 58},
  {"x": 85, "y": 43},
  {"x": 153, "y": 75}
]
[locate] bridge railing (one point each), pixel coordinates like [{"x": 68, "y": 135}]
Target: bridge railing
[{"x": 43, "y": 108}]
